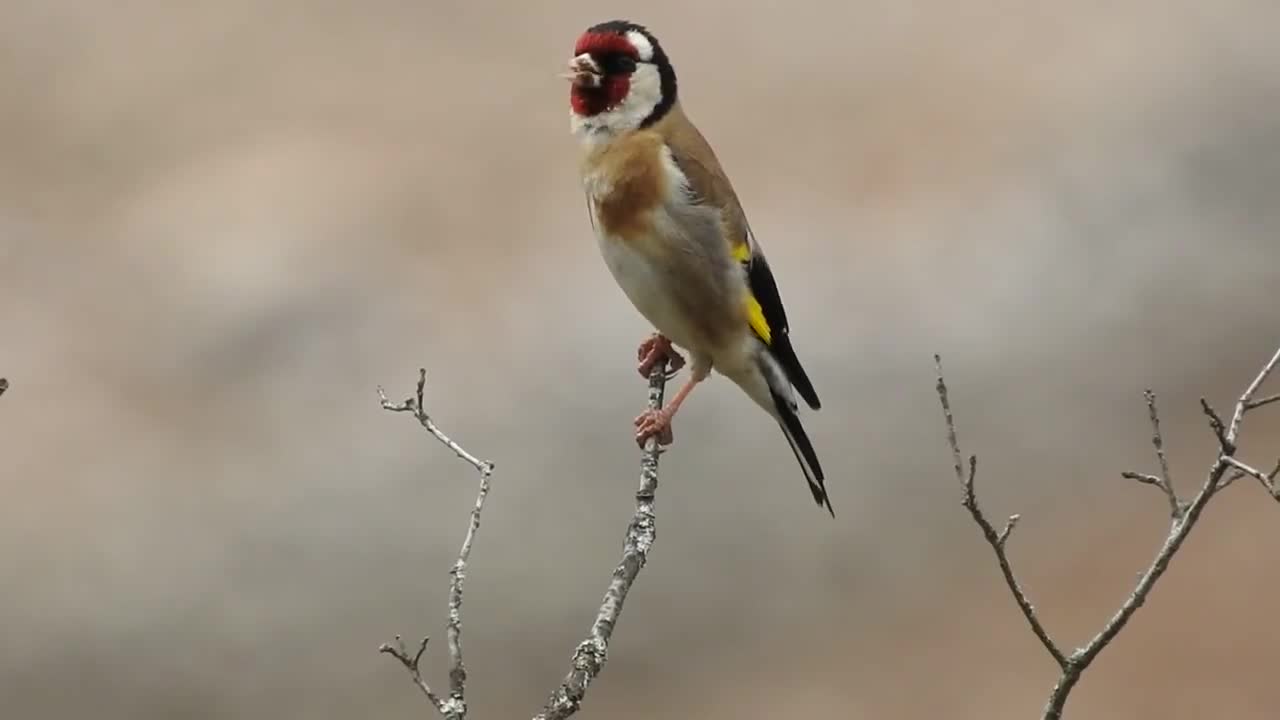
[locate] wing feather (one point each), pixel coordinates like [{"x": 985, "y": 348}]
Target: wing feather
[
  {"x": 709, "y": 185},
  {"x": 764, "y": 291}
]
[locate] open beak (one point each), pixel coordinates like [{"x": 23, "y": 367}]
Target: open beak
[{"x": 584, "y": 72}]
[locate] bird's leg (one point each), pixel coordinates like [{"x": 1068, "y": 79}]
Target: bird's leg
[
  {"x": 657, "y": 348},
  {"x": 658, "y": 422}
]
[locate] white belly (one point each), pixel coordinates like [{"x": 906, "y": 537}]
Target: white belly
[{"x": 646, "y": 285}]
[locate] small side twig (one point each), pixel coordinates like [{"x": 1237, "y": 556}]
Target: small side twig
[
  {"x": 997, "y": 541},
  {"x": 1255, "y": 404},
  {"x": 1184, "y": 518},
  {"x": 1242, "y": 470},
  {"x": 1164, "y": 480},
  {"x": 1218, "y": 427},
  {"x": 413, "y": 665},
  {"x": 1247, "y": 403},
  {"x": 590, "y": 656},
  {"x": 455, "y": 706},
  {"x": 414, "y": 405}
]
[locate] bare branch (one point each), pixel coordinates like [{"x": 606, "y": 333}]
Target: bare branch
[
  {"x": 1157, "y": 441},
  {"x": 1184, "y": 519},
  {"x": 1083, "y": 657},
  {"x": 1255, "y": 404},
  {"x": 1163, "y": 481},
  {"x": 1268, "y": 480},
  {"x": 414, "y": 405},
  {"x": 1178, "y": 532},
  {"x": 995, "y": 540},
  {"x": 1009, "y": 525},
  {"x": 590, "y": 656},
  {"x": 1247, "y": 470},
  {"x": 1143, "y": 478},
  {"x": 1247, "y": 398},
  {"x": 455, "y": 707},
  {"x": 411, "y": 664},
  {"x": 1230, "y": 479},
  {"x": 1219, "y": 430}
]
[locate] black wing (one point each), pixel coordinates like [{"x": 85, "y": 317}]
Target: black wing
[{"x": 765, "y": 290}]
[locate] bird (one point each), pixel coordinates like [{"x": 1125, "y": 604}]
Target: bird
[{"x": 674, "y": 236}]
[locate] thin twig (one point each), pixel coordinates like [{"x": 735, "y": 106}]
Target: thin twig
[
  {"x": 414, "y": 405},
  {"x": 1083, "y": 657},
  {"x": 1163, "y": 481},
  {"x": 590, "y": 656},
  {"x": 455, "y": 707},
  {"x": 1255, "y": 404},
  {"x": 1143, "y": 478},
  {"x": 1178, "y": 531},
  {"x": 995, "y": 540},
  {"x": 1176, "y": 508},
  {"x": 1219, "y": 429},
  {"x": 1247, "y": 398},
  {"x": 1157, "y": 441},
  {"x": 1247, "y": 470},
  {"x": 412, "y": 664},
  {"x": 1183, "y": 521},
  {"x": 1268, "y": 480}
]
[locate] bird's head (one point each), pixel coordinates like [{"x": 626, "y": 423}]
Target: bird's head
[{"x": 620, "y": 80}]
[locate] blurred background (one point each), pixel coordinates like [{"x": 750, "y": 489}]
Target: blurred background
[{"x": 222, "y": 225}]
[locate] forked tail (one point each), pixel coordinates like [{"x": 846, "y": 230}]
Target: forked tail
[{"x": 789, "y": 421}]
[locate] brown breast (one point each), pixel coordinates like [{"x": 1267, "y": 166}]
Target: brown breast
[{"x": 626, "y": 181}]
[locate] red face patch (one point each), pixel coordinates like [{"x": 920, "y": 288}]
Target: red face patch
[
  {"x": 604, "y": 43},
  {"x": 593, "y": 101}
]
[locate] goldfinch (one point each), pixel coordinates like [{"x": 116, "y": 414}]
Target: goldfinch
[{"x": 675, "y": 237}]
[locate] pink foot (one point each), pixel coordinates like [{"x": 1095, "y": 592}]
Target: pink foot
[
  {"x": 657, "y": 349},
  {"x": 654, "y": 423}
]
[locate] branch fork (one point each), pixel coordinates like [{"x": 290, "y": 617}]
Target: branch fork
[
  {"x": 1184, "y": 515},
  {"x": 590, "y": 655}
]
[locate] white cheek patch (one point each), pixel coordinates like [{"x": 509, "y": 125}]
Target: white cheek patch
[{"x": 642, "y": 45}]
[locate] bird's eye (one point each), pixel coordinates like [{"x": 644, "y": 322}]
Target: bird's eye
[{"x": 614, "y": 64}]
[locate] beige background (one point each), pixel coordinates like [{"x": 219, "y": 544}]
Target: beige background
[{"x": 222, "y": 226}]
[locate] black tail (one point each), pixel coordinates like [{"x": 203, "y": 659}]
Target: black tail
[
  {"x": 786, "y": 356},
  {"x": 803, "y": 449}
]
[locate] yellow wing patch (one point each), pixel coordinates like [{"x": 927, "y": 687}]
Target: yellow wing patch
[
  {"x": 755, "y": 312},
  {"x": 755, "y": 317}
]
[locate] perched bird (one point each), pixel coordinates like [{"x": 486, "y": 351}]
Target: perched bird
[{"x": 675, "y": 237}]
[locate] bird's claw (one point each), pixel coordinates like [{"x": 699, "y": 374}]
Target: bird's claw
[
  {"x": 656, "y": 350},
  {"x": 654, "y": 423}
]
